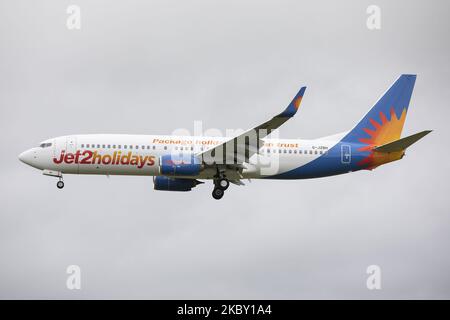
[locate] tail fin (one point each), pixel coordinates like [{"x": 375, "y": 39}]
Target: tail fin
[{"x": 384, "y": 122}]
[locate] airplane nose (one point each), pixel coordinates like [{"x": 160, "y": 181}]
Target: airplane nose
[
  {"x": 27, "y": 157},
  {"x": 22, "y": 156}
]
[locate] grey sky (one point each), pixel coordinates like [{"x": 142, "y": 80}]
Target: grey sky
[{"x": 151, "y": 67}]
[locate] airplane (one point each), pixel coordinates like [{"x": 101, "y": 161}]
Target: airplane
[{"x": 179, "y": 163}]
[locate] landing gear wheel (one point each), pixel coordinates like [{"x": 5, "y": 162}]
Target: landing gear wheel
[
  {"x": 60, "y": 184},
  {"x": 218, "y": 193},
  {"x": 223, "y": 184}
]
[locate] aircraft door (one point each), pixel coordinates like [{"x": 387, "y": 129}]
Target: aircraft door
[
  {"x": 71, "y": 144},
  {"x": 71, "y": 148}
]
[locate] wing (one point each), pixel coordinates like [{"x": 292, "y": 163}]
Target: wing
[{"x": 239, "y": 149}]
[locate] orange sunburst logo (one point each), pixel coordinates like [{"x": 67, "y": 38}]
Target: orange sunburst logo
[
  {"x": 297, "y": 102},
  {"x": 384, "y": 132}
]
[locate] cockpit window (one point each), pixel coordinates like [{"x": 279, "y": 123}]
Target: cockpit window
[{"x": 45, "y": 145}]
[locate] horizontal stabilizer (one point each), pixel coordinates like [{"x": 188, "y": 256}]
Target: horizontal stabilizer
[{"x": 403, "y": 143}]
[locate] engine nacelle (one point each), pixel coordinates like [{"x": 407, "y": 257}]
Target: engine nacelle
[
  {"x": 173, "y": 165},
  {"x": 174, "y": 184}
]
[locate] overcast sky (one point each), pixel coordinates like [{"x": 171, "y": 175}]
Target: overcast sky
[{"x": 151, "y": 67}]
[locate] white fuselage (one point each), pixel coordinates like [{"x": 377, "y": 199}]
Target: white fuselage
[{"x": 120, "y": 154}]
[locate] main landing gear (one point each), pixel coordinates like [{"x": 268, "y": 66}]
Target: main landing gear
[
  {"x": 220, "y": 185},
  {"x": 223, "y": 183},
  {"x": 218, "y": 193}
]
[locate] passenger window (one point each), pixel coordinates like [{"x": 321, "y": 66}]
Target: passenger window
[
  {"x": 290, "y": 151},
  {"x": 114, "y": 146},
  {"x": 131, "y": 147},
  {"x": 310, "y": 151},
  {"x": 109, "y": 146},
  {"x": 165, "y": 147},
  {"x": 154, "y": 147},
  {"x": 315, "y": 152},
  {"x": 82, "y": 145},
  {"x": 98, "y": 146},
  {"x": 103, "y": 146},
  {"x": 125, "y": 146}
]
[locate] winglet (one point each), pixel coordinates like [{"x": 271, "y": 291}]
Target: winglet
[{"x": 292, "y": 108}]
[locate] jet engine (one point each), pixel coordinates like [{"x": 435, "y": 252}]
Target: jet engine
[{"x": 174, "y": 184}]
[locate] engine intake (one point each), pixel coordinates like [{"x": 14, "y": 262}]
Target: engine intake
[
  {"x": 174, "y": 184},
  {"x": 179, "y": 165}
]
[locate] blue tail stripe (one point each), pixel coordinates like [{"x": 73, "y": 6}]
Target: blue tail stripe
[{"x": 397, "y": 97}]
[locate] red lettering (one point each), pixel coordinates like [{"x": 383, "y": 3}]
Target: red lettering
[
  {"x": 106, "y": 159},
  {"x": 69, "y": 158},
  {"x": 77, "y": 156},
  {"x": 96, "y": 158},
  {"x": 88, "y": 157},
  {"x": 61, "y": 158},
  {"x": 151, "y": 160},
  {"x": 126, "y": 159},
  {"x": 142, "y": 161}
]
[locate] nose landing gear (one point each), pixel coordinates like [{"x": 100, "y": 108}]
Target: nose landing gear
[
  {"x": 57, "y": 174},
  {"x": 60, "y": 184}
]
